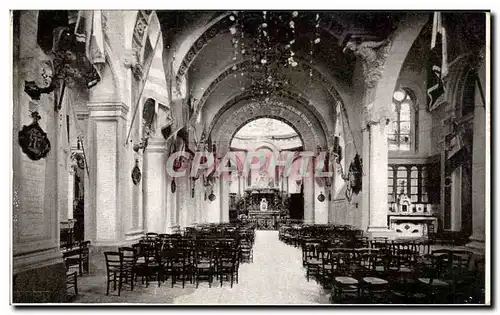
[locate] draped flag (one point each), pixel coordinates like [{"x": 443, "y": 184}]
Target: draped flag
[
  {"x": 437, "y": 67},
  {"x": 165, "y": 119},
  {"x": 79, "y": 51},
  {"x": 339, "y": 142}
]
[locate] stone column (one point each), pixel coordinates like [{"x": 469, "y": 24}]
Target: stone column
[
  {"x": 320, "y": 208},
  {"x": 365, "y": 192},
  {"x": 155, "y": 182},
  {"x": 213, "y": 207},
  {"x": 378, "y": 161},
  {"x": 224, "y": 199},
  {"x": 479, "y": 193},
  {"x": 171, "y": 206},
  {"x": 309, "y": 194},
  {"x": 182, "y": 200},
  {"x": 375, "y": 150}
]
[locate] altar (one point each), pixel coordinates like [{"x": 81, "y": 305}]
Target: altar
[
  {"x": 412, "y": 226},
  {"x": 412, "y": 220},
  {"x": 264, "y": 207}
]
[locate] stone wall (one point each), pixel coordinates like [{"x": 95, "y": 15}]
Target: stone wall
[{"x": 35, "y": 202}]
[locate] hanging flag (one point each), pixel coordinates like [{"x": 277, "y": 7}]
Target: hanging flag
[
  {"x": 339, "y": 142},
  {"x": 90, "y": 44},
  {"x": 165, "y": 120},
  {"x": 76, "y": 53},
  {"x": 437, "y": 67}
]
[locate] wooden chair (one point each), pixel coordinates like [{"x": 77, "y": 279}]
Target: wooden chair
[
  {"x": 345, "y": 288},
  {"x": 204, "y": 265},
  {"x": 312, "y": 260},
  {"x": 71, "y": 280},
  {"x": 181, "y": 265},
  {"x": 432, "y": 283},
  {"x": 78, "y": 257},
  {"x": 113, "y": 270},
  {"x": 227, "y": 265},
  {"x": 246, "y": 250},
  {"x": 148, "y": 264},
  {"x": 128, "y": 256}
]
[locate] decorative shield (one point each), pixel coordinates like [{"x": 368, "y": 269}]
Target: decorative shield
[
  {"x": 33, "y": 140},
  {"x": 136, "y": 173}
]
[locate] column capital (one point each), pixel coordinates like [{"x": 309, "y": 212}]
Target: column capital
[
  {"x": 372, "y": 55},
  {"x": 156, "y": 145},
  {"x": 107, "y": 109},
  {"x": 131, "y": 60},
  {"x": 374, "y": 117}
]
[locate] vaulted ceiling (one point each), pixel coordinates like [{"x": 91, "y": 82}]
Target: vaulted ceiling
[{"x": 244, "y": 55}]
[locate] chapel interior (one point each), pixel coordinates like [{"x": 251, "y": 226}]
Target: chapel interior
[{"x": 397, "y": 103}]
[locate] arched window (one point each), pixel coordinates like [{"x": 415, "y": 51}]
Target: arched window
[{"x": 401, "y": 129}]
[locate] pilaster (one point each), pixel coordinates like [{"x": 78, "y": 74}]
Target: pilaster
[
  {"x": 155, "y": 183},
  {"x": 108, "y": 183},
  {"x": 479, "y": 179}
]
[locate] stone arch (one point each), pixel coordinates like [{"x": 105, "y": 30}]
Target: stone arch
[
  {"x": 324, "y": 79},
  {"x": 415, "y": 90},
  {"x": 281, "y": 95},
  {"x": 269, "y": 146},
  {"x": 403, "y": 38},
  {"x": 116, "y": 69},
  {"x": 231, "y": 121},
  {"x": 455, "y": 81},
  {"x": 129, "y": 20}
]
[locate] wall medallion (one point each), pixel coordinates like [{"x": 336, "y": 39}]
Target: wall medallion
[
  {"x": 136, "y": 173},
  {"x": 33, "y": 140}
]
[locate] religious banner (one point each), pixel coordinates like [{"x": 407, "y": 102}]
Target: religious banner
[{"x": 437, "y": 64}]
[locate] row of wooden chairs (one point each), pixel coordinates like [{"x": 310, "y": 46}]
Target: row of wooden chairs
[
  {"x": 374, "y": 275},
  {"x": 182, "y": 258},
  {"x": 75, "y": 255}
]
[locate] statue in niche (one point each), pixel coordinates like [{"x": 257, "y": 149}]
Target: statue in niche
[
  {"x": 404, "y": 202},
  {"x": 263, "y": 204},
  {"x": 262, "y": 181}
]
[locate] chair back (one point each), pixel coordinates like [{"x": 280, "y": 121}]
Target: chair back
[
  {"x": 113, "y": 261},
  {"x": 128, "y": 256}
]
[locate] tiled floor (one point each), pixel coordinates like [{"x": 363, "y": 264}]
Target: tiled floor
[{"x": 276, "y": 276}]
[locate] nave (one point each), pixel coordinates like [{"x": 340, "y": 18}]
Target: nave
[
  {"x": 276, "y": 276},
  {"x": 333, "y": 126}
]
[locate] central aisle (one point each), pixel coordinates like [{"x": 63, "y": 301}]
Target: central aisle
[{"x": 276, "y": 276}]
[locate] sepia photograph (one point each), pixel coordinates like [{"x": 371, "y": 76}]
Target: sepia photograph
[{"x": 250, "y": 157}]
